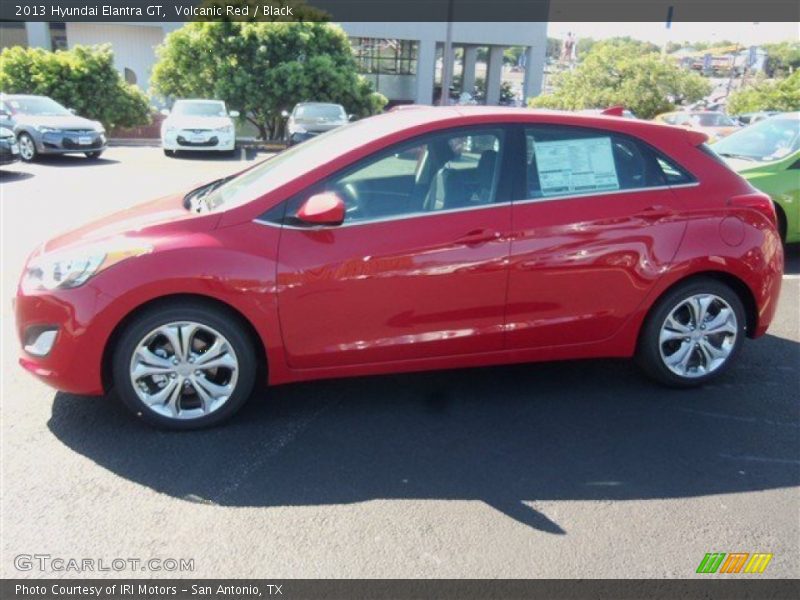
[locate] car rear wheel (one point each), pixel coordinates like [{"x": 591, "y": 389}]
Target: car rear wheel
[
  {"x": 27, "y": 147},
  {"x": 184, "y": 366},
  {"x": 94, "y": 155},
  {"x": 692, "y": 334}
]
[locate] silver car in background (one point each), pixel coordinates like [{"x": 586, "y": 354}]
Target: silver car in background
[
  {"x": 43, "y": 126},
  {"x": 308, "y": 119}
]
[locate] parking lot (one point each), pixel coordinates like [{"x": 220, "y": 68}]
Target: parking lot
[{"x": 572, "y": 469}]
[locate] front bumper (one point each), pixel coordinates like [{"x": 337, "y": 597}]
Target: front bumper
[
  {"x": 82, "y": 327},
  {"x": 9, "y": 151},
  {"x": 66, "y": 142},
  {"x": 296, "y": 138},
  {"x": 207, "y": 140}
]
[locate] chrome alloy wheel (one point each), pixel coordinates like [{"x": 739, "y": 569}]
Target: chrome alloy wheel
[
  {"x": 698, "y": 336},
  {"x": 26, "y": 148},
  {"x": 184, "y": 370}
]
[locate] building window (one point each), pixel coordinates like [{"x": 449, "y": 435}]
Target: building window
[
  {"x": 58, "y": 36},
  {"x": 130, "y": 76},
  {"x": 12, "y": 33},
  {"x": 385, "y": 56}
]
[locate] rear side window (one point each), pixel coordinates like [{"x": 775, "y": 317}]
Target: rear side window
[{"x": 565, "y": 161}]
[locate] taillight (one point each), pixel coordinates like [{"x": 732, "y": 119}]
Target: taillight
[{"x": 757, "y": 201}]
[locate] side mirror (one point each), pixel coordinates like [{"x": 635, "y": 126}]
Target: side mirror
[
  {"x": 165, "y": 112},
  {"x": 285, "y": 114},
  {"x": 326, "y": 208},
  {"x": 351, "y": 117},
  {"x": 234, "y": 114}
]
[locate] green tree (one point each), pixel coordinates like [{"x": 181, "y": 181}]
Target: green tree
[
  {"x": 782, "y": 58},
  {"x": 263, "y": 68},
  {"x": 620, "y": 72},
  {"x": 783, "y": 95},
  {"x": 82, "y": 78}
]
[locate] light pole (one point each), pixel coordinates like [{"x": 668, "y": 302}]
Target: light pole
[{"x": 447, "y": 58}]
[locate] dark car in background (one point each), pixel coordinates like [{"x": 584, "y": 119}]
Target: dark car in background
[
  {"x": 43, "y": 126},
  {"x": 309, "y": 119},
  {"x": 9, "y": 150}
]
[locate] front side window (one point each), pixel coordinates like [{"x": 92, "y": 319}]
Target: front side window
[
  {"x": 447, "y": 171},
  {"x": 570, "y": 161}
]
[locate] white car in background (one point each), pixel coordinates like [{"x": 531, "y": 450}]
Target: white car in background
[{"x": 198, "y": 125}]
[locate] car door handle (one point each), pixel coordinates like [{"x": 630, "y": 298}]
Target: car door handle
[
  {"x": 476, "y": 237},
  {"x": 655, "y": 212}
]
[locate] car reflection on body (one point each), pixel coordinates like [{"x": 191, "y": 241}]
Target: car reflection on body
[{"x": 420, "y": 239}]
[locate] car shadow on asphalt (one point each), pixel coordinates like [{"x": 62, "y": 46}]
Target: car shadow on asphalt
[
  {"x": 237, "y": 155},
  {"x": 508, "y": 436},
  {"x": 8, "y": 175},
  {"x": 791, "y": 265},
  {"x": 73, "y": 160}
]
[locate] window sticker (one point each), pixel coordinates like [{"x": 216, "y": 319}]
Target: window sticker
[{"x": 576, "y": 166}]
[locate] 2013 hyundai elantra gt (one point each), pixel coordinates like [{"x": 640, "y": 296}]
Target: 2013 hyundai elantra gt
[{"x": 436, "y": 238}]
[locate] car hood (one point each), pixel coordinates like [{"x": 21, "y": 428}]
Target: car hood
[
  {"x": 65, "y": 122},
  {"x": 157, "y": 218},
  {"x": 198, "y": 122},
  {"x": 318, "y": 124}
]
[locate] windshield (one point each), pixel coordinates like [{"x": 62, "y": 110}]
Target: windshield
[
  {"x": 328, "y": 112},
  {"x": 712, "y": 120},
  {"x": 199, "y": 109},
  {"x": 282, "y": 168},
  {"x": 42, "y": 107},
  {"x": 767, "y": 140}
]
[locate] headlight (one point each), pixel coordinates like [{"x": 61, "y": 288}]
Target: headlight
[
  {"x": 74, "y": 267},
  {"x": 98, "y": 127},
  {"x": 294, "y": 128},
  {"x": 5, "y": 132},
  {"x": 169, "y": 128},
  {"x": 225, "y": 129},
  {"x": 41, "y": 129}
]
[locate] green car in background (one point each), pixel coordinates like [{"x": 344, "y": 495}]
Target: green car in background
[{"x": 767, "y": 154}]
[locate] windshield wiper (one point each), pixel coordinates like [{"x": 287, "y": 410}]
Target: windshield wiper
[
  {"x": 191, "y": 201},
  {"x": 731, "y": 155}
]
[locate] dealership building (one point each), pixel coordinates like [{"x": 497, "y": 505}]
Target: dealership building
[{"x": 403, "y": 60}]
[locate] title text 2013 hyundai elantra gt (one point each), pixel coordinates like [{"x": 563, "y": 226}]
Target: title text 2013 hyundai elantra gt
[{"x": 435, "y": 238}]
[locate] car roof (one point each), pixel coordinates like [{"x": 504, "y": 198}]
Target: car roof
[
  {"x": 23, "y": 96},
  {"x": 199, "y": 100},
  {"x": 317, "y": 104}
]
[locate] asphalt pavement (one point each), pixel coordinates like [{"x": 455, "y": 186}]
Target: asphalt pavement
[{"x": 569, "y": 469}]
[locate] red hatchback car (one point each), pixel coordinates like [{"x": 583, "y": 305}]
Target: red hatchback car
[{"x": 425, "y": 239}]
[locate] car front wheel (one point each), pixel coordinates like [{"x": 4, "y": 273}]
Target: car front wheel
[
  {"x": 94, "y": 155},
  {"x": 693, "y": 333},
  {"x": 184, "y": 366},
  {"x": 27, "y": 147}
]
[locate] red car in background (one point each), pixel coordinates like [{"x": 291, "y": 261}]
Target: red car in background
[{"x": 422, "y": 239}]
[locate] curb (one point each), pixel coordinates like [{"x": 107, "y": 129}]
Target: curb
[{"x": 156, "y": 143}]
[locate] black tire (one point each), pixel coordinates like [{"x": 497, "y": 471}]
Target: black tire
[
  {"x": 782, "y": 225},
  {"x": 27, "y": 139},
  {"x": 223, "y": 322},
  {"x": 169, "y": 153},
  {"x": 94, "y": 155},
  {"x": 648, "y": 353}
]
